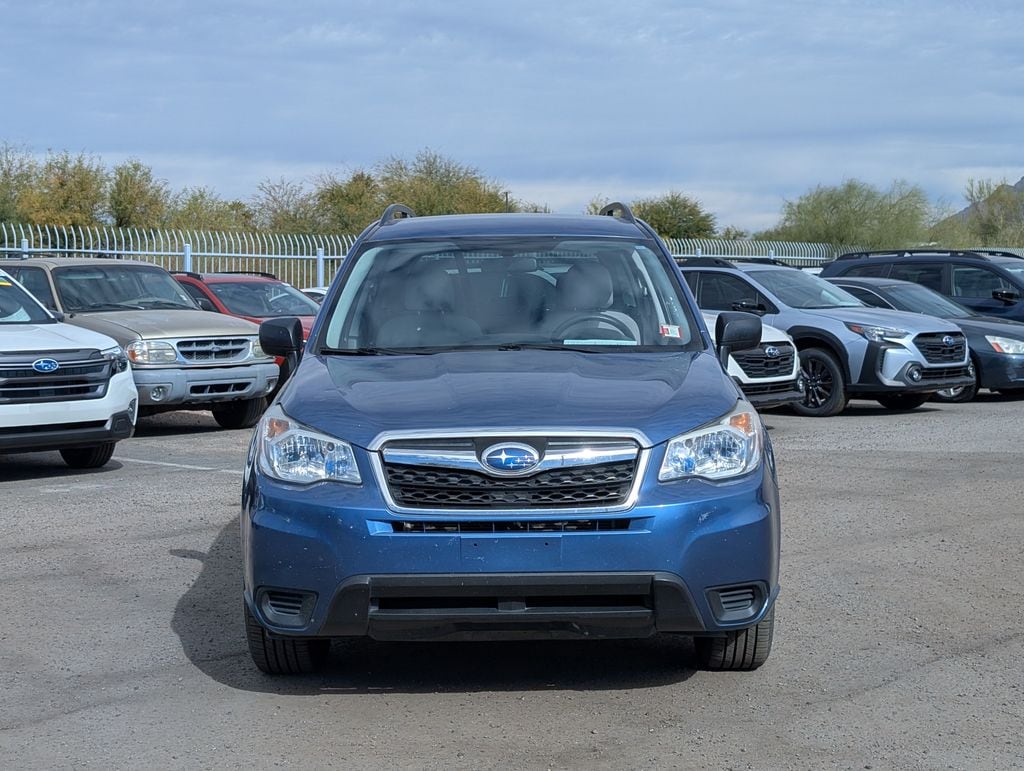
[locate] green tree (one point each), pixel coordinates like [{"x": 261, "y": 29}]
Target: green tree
[
  {"x": 17, "y": 170},
  {"x": 200, "y": 208},
  {"x": 674, "y": 215},
  {"x": 65, "y": 190},
  {"x": 995, "y": 214},
  {"x": 434, "y": 184},
  {"x": 348, "y": 206},
  {"x": 285, "y": 207},
  {"x": 855, "y": 213},
  {"x": 137, "y": 199}
]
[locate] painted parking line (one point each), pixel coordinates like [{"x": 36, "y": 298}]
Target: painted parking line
[{"x": 185, "y": 466}]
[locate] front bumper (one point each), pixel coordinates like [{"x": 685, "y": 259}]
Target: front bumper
[
  {"x": 890, "y": 368},
  {"x": 329, "y": 560},
  {"x": 205, "y": 385},
  {"x": 1000, "y": 370}
]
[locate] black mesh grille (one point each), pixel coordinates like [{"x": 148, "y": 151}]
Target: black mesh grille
[
  {"x": 935, "y": 351},
  {"x": 944, "y": 373},
  {"x": 757, "y": 389},
  {"x": 586, "y": 486},
  {"x": 756, "y": 362},
  {"x": 514, "y": 526}
]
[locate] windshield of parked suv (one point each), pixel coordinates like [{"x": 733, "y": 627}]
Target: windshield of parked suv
[
  {"x": 18, "y": 307},
  {"x": 921, "y": 299},
  {"x": 263, "y": 298},
  {"x": 1014, "y": 267},
  {"x": 86, "y": 288},
  {"x": 798, "y": 289},
  {"x": 510, "y": 292}
]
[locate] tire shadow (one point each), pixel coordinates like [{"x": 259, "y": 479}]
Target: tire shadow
[{"x": 208, "y": 622}]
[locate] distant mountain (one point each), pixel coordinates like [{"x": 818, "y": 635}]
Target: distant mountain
[{"x": 967, "y": 211}]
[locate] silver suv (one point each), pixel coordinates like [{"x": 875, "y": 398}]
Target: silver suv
[
  {"x": 182, "y": 358},
  {"x": 847, "y": 350}
]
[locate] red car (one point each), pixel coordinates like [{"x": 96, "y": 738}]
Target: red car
[{"x": 253, "y": 296}]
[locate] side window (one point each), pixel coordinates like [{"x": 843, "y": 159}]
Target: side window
[
  {"x": 866, "y": 296},
  {"x": 691, "y": 281},
  {"x": 35, "y": 281},
  {"x": 194, "y": 292},
  {"x": 869, "y": 270},
  {"x": 971, "y": 281},
  {"x": 925, "y": 274},
  {"x": 722, "y": 291}
]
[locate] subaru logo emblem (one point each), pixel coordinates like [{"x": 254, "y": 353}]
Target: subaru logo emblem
[
  {"x": 948, "y": 341},
  {"x": 510, "y": 458},
  {"x": 45, "y": 365},
  {"x": 772, "y": 352}
]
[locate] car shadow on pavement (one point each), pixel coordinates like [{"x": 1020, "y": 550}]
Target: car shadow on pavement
[
  {"x": 39, "y": 466},
  {"x": 208, "y": 621}
]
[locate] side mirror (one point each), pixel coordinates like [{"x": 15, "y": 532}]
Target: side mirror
[
  {"x": 283, "y": 337},
  {"x": 736, "y": 332},
  {"x": 1005, "y": 296},
  {"x": 206, "y": 304},
  {"x": 748, "y": 306}
]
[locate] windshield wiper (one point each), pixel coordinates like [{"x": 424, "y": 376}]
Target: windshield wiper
[
  {"x": 375, "y": 351},
  {"x": 152, "y": 304},
  {"x": 108, "y": 307}
]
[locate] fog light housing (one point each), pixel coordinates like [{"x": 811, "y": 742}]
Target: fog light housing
[
  {"x": 157, "y": 393},
  {"x": 271, "y": 383},
  {"x": 914, "y": 373}
]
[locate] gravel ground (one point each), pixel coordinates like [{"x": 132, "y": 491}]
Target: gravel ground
[{"x": 900, "y": 633}]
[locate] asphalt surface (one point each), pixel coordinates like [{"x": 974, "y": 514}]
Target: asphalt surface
[{"x": 900, "y": 629}]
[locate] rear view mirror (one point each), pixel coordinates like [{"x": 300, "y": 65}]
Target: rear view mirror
[{"x": 736, "y": 332}]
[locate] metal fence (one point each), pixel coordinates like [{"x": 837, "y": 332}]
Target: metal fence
[
  {"x": 801, "y": 255},
  {"x": 301, "y": 260}
]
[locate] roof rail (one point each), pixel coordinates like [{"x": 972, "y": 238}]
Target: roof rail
[
  {"x": 706, "y": 262},
  {"x": 189, "y": 273},
  {"x": 618, "y": 210},
  {"x": 979, "y": 253},
  {"x": 246, "y": 273},
  {"x": 396, "y": 211}
]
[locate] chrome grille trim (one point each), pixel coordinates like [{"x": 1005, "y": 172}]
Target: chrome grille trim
[
  {"x": 467, "y": 460},
  {"x": 203, "y": 350}
]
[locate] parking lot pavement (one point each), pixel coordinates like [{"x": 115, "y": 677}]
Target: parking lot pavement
[{"x": 899, "y": 636}]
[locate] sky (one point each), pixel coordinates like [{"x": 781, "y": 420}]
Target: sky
[{"x": 740, "y": 104}]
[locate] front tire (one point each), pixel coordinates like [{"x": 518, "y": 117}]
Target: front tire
[
  {"x": 824, "y": 387},
  {"x": 88, "y": 457},
  {"x": 284, "y": 655},
  {"x": 903, "y": 401},
  {"x": 738, "y": 651},
  {"x": 241, "y": 414}
]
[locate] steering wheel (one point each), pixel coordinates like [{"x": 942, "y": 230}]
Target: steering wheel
[{"x": 617, "y": 324}]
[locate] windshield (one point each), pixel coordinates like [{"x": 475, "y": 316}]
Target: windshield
[
  {"x": 85, "y": 288},
  {"x": 263, "y": 298},
  {"x": 921, "y": 299},
  {"x": 798, "y": 289},
  {"x": 19, "y": 307},
  {"x": 1013, "y": 267},
  {"x": 510, "y": 292}
]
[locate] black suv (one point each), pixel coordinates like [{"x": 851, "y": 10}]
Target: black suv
[{"x": 987, "y": 281}]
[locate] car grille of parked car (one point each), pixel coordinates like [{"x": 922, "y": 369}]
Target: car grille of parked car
[
  {"x": 944, "y": 373},
  {"x": 756, "y": 362},
  {"x": 594, "y": 486},
  {"x": 76, "y": 377},
  {"x": 215, "y": 349},
  {"x": 513, "y": 526},
  {"x": 935, "y": 351},
  {"x": 760, "y": 389}
]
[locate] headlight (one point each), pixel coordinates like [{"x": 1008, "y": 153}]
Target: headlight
[
  {"x": 878, "y": 334},
  {"x": 1005, "y": 344},
  {"x": 151, "y": 352},
  {"x": 257, "y": 350},
  {"x": 729, "y": 447},
  {"x": 117, "y": 356},
  {"x": 290, "y": 452}
]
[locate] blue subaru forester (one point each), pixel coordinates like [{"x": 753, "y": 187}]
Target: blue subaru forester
[{"x": 509, "y": 426}]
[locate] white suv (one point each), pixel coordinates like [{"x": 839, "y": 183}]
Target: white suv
[{"x": 61, "y": 387}]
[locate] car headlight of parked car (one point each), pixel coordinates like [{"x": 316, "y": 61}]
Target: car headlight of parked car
[
  {"x": 257, "y": 350},
  {"x": 1005, "y": 344},
  {"x": 117, "y": 356},
  {"x": 290, "y": 452},
  {"x": 727, "y": 448},
  {"x": 878, "y": 334},
  {"x": 151, "y": 352}
]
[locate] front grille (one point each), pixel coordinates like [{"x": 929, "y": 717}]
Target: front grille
[
  {"x": 944, "y": 373},
  {"x": 215, "y": 349},
  {"x": 596, "y": 473},
  {"x": 755, "y": 362},
  {"x": 937, "y": 352},
  {"x": 514, "y": 526},
  {"x": 213, "y": 389},
  {"x": 72, "y": 380},
  {"x": 758, "y": 389}
]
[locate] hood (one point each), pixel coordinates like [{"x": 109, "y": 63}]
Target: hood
[
  {"x": 987, "y": 325},
  {"x": 915, "y": 323},
  {"x": 50, "y": 338},
  {"x": 357, "y": 397},
  {"x": 126, "y": 326}
]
